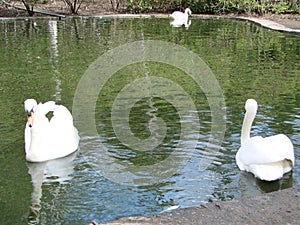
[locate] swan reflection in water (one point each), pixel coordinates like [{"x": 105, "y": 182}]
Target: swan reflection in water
[
  {"x": 54, "y": 171},
  {"x": 176, "y": 23},
  {"x": 250, "y": 186}
]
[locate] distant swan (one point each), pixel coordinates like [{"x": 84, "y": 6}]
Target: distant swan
[
  {"x": 180, "y": 16},
  {"x": 48, "y": 139},
  {"x": 267, "y": 158}
]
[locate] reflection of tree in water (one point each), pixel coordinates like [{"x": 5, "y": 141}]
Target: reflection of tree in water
[{"x": 53, "y": 33}]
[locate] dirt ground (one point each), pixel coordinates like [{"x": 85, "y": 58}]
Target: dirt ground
[
  {"x": 94, "y": 7},
  {"x": 104, "y": 7}
]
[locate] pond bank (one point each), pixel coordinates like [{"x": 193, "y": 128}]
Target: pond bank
[
  {"x": 280, "y": 207},
  {"x": 283, "y": 26},
  {"x": 275, "y": 22},
  {"x": 278, "y": 23}
]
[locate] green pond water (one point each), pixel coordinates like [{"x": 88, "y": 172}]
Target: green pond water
[{"x": 159, "y": 111}]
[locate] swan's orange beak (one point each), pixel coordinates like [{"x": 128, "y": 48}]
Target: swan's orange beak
[{"x": 30, "y": 119}]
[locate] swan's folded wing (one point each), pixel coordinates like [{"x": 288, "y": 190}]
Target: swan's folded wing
[
  {"x": 282, "y": 147},
  {"x": 259, "y": 150},
  {"x": 176, "y": 14},
  {"x": 44, "y": 108},
  {"x": 61, "y": 117},
  {"x": 64, "y": 134}
]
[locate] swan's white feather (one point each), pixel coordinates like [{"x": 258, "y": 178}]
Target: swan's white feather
[
  {"x": 177, "y": 15},
  {"x": 259, "y": 150},
  {"x": 267, "y": 158},
  {"x": 180, "y": 16},
  {"x": 270, "y": 171},
  {"x": 47, "y": 140}
]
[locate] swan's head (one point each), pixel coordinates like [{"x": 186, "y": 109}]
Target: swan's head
[
  {"x": 251, "y": 106},
  {"x": 188, "y": 11},
  {"x": 30, "y": 106}
]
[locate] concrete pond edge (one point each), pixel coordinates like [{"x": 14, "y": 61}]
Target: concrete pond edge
[
  {"x": 279, "y": 207},
  {"x": 258, "y": 20}
]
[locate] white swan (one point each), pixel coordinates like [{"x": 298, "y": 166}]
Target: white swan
[
  {"x": 180, "y": 16},
  {"x": 48, "y": 139},
  {"x": 267, "y": 158}
]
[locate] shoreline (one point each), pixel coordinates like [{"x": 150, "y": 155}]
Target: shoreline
[
  {"x": 271, "y": 24},
  {"x": 279, "y": 207},
  {"x": 274, "y": 23}
]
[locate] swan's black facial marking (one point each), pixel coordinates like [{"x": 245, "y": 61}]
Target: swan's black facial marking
[
  {"x": 30, "y": 117},
  {"x": 29, "y": 112}
]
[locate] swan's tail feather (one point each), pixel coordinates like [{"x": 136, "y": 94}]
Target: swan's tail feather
[{"x": 271, "y": 171}]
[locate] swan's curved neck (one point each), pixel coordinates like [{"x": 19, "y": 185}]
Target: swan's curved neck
[{"x": 246, "y": 128}]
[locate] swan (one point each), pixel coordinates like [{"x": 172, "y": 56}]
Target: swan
[
  {"x": 180, "y": 16},
  {"x": 48, "y": 139},
  {"x": 267, "y": 158}
]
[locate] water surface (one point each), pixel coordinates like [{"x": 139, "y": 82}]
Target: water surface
[{"x": 46, "y": 59}]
